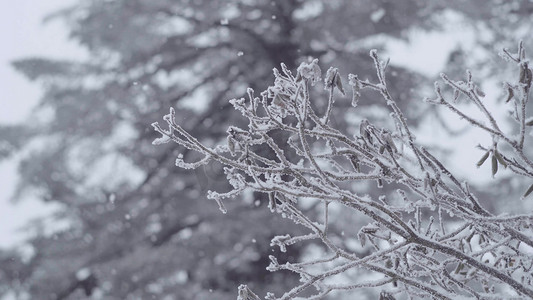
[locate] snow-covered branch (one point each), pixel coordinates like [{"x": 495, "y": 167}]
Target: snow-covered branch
[{"x": 430, "y": 238}]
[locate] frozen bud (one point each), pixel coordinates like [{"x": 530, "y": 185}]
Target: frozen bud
[
  {"x": 237, "y": 102},
  {"x": 162, "y": 140},
  {"x": 356, "y": 88},
  {"x": 456, "y": 95},
  {"x": 525, "y": 75},
  {"x": 387, "y": 137},
  {"x": 280, "y": 241},
  {"x": 270, "y": 296},
  {"x": 333, "y": 79},
  {"x": 274, "y": 265},
  {"x": 310, "y": 71},
  {"x": 246, "y": 294},
  {"x": 180, "y": 162},
  {"x": 363, "y": 130},
  {"x": 329, "y": 80},
  {"x": 171, "y": 117},
  {"x": 276, "y": 72},
  {"x": 231, "y": 145},
  {"x": 286, "y": 70},
  {"x": 250, "y": 93},
  {"x": 374, "y": 54}
]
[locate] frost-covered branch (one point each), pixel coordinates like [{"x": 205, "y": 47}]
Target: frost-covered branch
[{"x": 431, "y": 237}]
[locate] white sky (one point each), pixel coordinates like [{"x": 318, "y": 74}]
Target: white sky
[{"x": 23, "y": 34}]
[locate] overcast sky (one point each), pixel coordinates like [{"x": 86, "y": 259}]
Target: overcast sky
[{"x": 23, "y": 35}]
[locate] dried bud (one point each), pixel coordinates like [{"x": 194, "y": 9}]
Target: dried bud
[
  {"x": 529, "y": 190},
  {"x": 483, "y": 159},
  {"x": 500, "y": 158},
  {"x": 525, "y": 75},
  {"x": 338, "y": 84},
  {"x": 510, "y": 94},
  {"x": 494, "y": 165}
]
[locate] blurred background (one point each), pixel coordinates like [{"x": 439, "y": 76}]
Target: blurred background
[{"x": 90, "y": 209}]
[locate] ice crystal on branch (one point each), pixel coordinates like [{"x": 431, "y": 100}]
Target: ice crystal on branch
[{"x": 431, "y": 239}]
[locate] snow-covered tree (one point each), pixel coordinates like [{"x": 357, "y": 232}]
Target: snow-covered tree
[{"x": 432, "y": 237}]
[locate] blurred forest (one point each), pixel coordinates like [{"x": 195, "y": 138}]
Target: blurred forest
[{"x": 140, "y": 228}]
